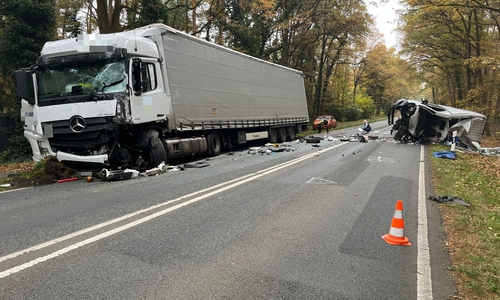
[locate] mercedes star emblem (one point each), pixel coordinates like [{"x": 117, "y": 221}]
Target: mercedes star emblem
[{"x": 77, "y": 124}]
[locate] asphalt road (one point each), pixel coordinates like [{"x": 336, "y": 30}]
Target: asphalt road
[{"x": 299, "y": 224}]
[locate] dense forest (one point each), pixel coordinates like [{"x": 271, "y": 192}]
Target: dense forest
[{"x": 448, "y": 49}]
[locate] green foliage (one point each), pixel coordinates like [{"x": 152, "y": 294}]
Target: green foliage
[
  {"x": 19, "y": 147},
  {"x": 25, "y": 26},
  {"x": 365, "y": 105},
  {"x": 454, "y": 45},
  {"x": 351, "y": 114},
  {"x": 152, "y": 11}
]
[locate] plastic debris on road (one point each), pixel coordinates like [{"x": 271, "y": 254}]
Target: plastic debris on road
[
  {"x": 449, "y": 199},
  {"x": 196, "y": 164}
]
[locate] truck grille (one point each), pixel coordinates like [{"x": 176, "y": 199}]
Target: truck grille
[{"x": 96, "y": 133}]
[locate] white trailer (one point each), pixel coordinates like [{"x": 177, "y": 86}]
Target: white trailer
[{"x": 135, "y": 98}]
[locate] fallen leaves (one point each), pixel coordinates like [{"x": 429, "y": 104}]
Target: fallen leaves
[{"x": 17, "y": 167}]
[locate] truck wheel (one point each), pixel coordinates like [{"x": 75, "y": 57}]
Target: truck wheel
[
  {"x": 273, "y": 136},
  {"x": 290, "y": 133},
  {"x": 313, "y": 140},
  {"x": 157, "y": 152},
  {"x": 282, "y": 134},
  {"x": 214, "y": 144}
]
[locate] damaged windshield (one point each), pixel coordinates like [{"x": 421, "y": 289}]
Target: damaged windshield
[{"x": 80, "y": 81}]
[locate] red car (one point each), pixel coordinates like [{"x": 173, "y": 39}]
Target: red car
[{"x": 332, "y": 123}]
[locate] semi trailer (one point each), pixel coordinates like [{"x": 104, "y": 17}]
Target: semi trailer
[{"x": 137, "y": 98}]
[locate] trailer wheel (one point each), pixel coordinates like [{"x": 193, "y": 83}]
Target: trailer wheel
[
  {"x": 157, "y": 152},
  {"x": 290, "y": 133},
  {"x": 282, "y": 134},
  {"x": 273, "y": 136},
  {"x": 214, "y": 143}
]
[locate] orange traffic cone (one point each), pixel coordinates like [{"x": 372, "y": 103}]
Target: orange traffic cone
[{"x": 396, "y": 235}]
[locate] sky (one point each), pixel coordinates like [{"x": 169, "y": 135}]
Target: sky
[{"x": 386, "y": 19}]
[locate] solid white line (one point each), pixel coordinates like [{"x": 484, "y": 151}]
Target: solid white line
[
  {"x": 424, "y": 280},
  {"x": 110, "y": 222},
  {"x": 382, "y": 129},
  {"x": 236, "y": 182},
  {"x": 14, "y": 190},
  {"x": 119, "y": 229}
]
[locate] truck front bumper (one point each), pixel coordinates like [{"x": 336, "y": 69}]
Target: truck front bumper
[
  {"x": 82, "y": 160},
  {"x": 41, "y": 149}
]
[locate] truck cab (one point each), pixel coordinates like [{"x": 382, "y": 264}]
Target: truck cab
[{"x": 84, "y": 98}]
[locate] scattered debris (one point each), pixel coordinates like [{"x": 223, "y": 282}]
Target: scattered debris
[
  {"x": 67, "y": 179},
  {"x": 445, "y": 154},
  {"x": 174, "y": 168},
  {"x": 196, "y": 164},
  {"x": 362, "y": 138},
  {"x": 155, "y": 171},
  {"x": 486, "y": 151},
  {"x": 313, "y": 140},
  {"x": 449, "y": 199},
  {"x": 113, "y": 175},
  {"x": 47, "y": 171}
]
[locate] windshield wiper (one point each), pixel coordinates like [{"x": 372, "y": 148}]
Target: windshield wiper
[{"x": 104, "y": 85}]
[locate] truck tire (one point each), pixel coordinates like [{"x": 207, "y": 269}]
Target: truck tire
[
  {"x": 214, "y": 144},
  {"x": 273, "y": 136},
  {"x": 290, "y": 133},
  {"x": 156, "y": 151},
  {"x": 313, "y": 140},
  {"x": 282, "y": 134}
]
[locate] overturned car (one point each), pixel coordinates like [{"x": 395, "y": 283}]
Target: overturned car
[{"x": 421, "y": 121}]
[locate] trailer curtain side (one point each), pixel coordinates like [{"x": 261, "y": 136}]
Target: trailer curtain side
[{"x": 210, "y": 84}]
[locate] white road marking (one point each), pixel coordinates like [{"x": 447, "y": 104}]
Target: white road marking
[
  {"x": 424, "y": 280},
  {"x": 388, "y": 127},
  {"x": 234, "y": 183},
  {"x": 380, "y": 159},
  {"x": 316, "y": 180}
]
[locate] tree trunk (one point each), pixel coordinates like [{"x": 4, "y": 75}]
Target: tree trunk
[
  {"x": 319, "y": 80},
  {"x": 108, "y": 17}
]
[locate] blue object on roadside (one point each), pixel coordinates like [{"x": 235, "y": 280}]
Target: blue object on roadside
[{"x": 445, "y": 154}]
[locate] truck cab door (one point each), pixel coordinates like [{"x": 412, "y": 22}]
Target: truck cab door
[{"x": 148, "y": 100}]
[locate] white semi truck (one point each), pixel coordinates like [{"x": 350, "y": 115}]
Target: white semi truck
[{"x": 136, "y": 98}]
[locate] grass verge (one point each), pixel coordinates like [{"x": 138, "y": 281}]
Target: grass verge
[
  {"x": 473, "y": 234},
  {"x": 26, "y": 174}
]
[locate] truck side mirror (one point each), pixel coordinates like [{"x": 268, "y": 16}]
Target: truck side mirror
[{"x": 24, "y": 85}]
